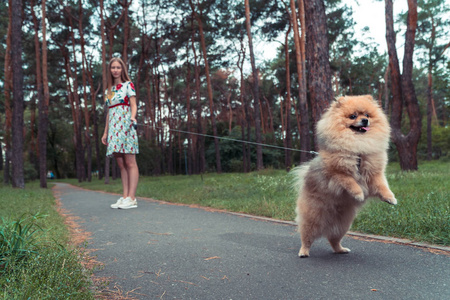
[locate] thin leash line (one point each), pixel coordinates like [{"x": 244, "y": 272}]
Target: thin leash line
[{"x": 231, "y": 139}]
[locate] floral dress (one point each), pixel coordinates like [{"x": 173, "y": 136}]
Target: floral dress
[{"x": 122, "y": 137}]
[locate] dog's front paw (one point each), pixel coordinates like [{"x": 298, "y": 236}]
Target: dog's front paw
[
  {"x": 390, "y": 200},
  {"x": 359, "y": 196},
  {"x": 389, "y": 197}
]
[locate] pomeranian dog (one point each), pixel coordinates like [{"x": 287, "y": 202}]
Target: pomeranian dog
[{"x": 353, "y": 138}]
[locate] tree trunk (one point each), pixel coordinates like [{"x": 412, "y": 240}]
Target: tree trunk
[
  {"x": 200, "y": 144},
  {"x": 126, "y": 30},
  {"x": 7, "y": 92},
  {"x": 43, "y": 106},
  {"x": 429, "y": 114},
  {"x": 87, "y": 132},
  {"x": 402, "y": 89},
  {"x": 34, "y": 150},
  {"x": 245, "y": 147},
  {"x": 430, "y": 91},
  {"x": 259, "y": 155},
  {"x": 287, "y": 127},
  {"x": 81, "y": 175},
  {"x": 305, "y": 139},
  {"x": 317, "y": 57},
  {"x": 18, "y": 180},
  {"x": 188, "y": 112},
  {"x": 104, "y": 84},
  {"x": 209, "y": 87}
]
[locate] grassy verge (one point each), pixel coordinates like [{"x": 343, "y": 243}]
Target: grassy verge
[
  {"x": 423, "y": 212},
  {"x": 35, "y": 262}
]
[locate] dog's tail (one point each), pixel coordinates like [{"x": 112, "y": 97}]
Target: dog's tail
[{"x": 298, "y": 175}]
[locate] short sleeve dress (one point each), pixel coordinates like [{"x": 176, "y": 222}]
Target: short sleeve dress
[{"x": 122, "y": 137}]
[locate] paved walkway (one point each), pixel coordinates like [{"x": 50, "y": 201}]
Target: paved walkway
[{"x": 178, "y": 252}]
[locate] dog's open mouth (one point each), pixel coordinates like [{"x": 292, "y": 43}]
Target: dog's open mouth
[{"x": 361, "y": 129}]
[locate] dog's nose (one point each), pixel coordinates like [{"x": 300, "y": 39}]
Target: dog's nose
[{"x": 364, "y": 122}]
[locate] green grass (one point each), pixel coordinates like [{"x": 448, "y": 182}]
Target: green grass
[
  {"x": 423, "y": 212},
  {"x": 36, "y": 262}
]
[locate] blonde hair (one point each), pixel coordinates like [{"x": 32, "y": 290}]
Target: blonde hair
[{"x": 110, "y": 79}]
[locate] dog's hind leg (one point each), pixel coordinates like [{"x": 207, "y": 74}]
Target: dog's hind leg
[
  {"x": 335, "y": 243},
  {"x": 308, "y": 235},
  {"x": 306, "y": 245}
]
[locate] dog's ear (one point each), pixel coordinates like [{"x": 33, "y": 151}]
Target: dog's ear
[
  {"x": 369, "y": 97},
  {"x": 339, "y": 101}
]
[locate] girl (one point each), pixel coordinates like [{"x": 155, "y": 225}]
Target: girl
[{"x": 120, "y": 137}]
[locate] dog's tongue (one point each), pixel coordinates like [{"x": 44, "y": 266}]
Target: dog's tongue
[{"x": 366, "y": 128}]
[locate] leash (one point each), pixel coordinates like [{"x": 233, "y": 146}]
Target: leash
[{"x": 135, "y": 125}]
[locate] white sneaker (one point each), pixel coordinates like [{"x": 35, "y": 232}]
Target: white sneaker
[
  {"x": 128, "y": 203},
  {"x": 116, "y": 205}
]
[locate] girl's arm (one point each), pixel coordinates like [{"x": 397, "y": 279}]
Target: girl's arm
[
  {"x": 133, "y": 106},
  {"x": 105, "y": 133}
]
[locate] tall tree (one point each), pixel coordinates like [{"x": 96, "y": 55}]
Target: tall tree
[
  {"x": 287, "y": 127},
  {"x": 317, "y": 58},
  {"x": 43, "y": 107},
  {"x": 402, "y": 88},
  {"x": 40, "y": 96},
  {"x": 18, "y": 179},
  {"x": 7, "y": 92},
  {"x": 255, "y": 73},
  {"x": 431, "y": 30},
  {"x": 208, "y": 84},
  {"x": 305, "y": 141},
  {"x": 126, "y": 30},
  {"x": 103, "y": 62}
]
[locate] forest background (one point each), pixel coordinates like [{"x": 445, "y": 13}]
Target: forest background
[{"x": 194, "y": 68}]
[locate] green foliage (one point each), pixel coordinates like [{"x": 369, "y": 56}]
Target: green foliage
[{"x": 440, "y": 139}]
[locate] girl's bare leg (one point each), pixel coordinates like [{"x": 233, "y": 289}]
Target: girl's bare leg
[
  {"x": 133, "y": 174},
  {"x": 123, "y": 173}
]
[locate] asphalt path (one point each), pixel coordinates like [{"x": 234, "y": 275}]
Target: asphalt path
[{"x": 166, "y": 251}]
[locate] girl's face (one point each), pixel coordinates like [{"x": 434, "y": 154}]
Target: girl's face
[{"x": 116, "y": 70}]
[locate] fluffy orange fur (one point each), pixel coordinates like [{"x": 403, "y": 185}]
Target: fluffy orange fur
[{"x": 353, "y": 138}]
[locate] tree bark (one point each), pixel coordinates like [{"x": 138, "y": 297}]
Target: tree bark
[
  {"x": 7, "y": 92},
  {"x": 18, "y": 180},
  {"x": 104, "y": 84},
  {"x": 43, "y": 106},
  {"x": 34, "y": 148},
  {"x": 259, "y": 156},
  {"x": 402, "y": 89},
  {"x": 305, "y": 140},
  {"x": 287, "y": 127},
  {"x": 317, "y": 57}
]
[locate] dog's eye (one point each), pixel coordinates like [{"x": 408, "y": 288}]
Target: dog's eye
[
  {"x": 367, "y": 115},
  {"x": 352, "y": 117}
]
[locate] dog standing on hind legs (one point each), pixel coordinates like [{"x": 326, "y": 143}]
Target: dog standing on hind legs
[{"x": 353, "y": 139}]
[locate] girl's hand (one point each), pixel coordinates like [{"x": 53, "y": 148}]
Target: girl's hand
[{"x": 105, "y": 139}]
